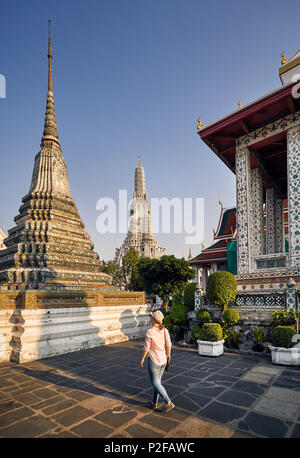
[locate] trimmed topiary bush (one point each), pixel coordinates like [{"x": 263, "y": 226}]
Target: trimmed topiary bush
[
  {"x": 282, "y": 336},
  {"x": 195, "y": 331},
  {"x": 189, "y": 296},
  {"x": 211, "y": 332},
  {"x": 221, "y": 289},
  {"x": 231, "y": 316},
  {"x": 203, "y": 316}
]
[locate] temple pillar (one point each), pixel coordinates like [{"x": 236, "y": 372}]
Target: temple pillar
[
  {"x": 293, "y": 172},
  {"x": 279, "y": 226},
  {"x": 270, "y": 220},
  {"x": 243, "y": 190},
  {"x": 257, "y": 217}
]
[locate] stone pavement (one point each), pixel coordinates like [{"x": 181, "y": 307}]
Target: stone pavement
[{"x": 103, "y": 392}]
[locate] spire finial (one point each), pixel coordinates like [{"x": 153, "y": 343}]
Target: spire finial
[
  {"x": 139, "y": 160},
  {"x": 50, "y": 127},
  {"x": 50, "y": 82}
]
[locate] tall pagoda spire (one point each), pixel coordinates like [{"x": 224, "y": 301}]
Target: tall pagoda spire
[
  {"x": 49, "y": 248},
  {"x": 50, "y": 135}
]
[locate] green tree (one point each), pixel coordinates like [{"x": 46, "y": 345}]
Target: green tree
[
  {"x": 111, "y": 268},
  {"x": 189, "y": 296},
  {"x": 129, "y": 271},
  {"x": 165, "y": 277}
]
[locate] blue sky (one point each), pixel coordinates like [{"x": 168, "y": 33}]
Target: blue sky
[{"x": 131, "y": 78}]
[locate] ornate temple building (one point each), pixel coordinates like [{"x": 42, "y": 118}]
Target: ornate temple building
[
  {"x": 2, "y": 237},
  {"x": 221, "y": 253},
  {"x": 260, "y": 144},
  {"x": 140, "y": 236},
  {"x": 54, "y": 297}
]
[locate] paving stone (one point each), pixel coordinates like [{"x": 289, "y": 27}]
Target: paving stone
[
  {"x": 237, "y": 398},
  {"x": 44, "y": 393},
  {"x": 264, "y": 426},
  {"x": 117, "y": 416},
  {"x": 71, "y": 416},
  {"x": 79, "y": 395},
  {"x": 267, "y": 370},
  {"x": 58, "y": 407},
  {"x": 31, "y": 427},
  {"x": 221, "y": 412},
  {"x": 277, "y": 393},
  {"x": 47, "y": 402},
  {"x": 92, "y": 429},
  {"x": 15, "y": 415},
  {"x": 276, "y": 408},
  {"x": 211, "y": 392},
  {"x": 231, "y": 372},
  {"x": 9, "y": 405},
  {"x": 27, "y": 398},
  {"x": 138, "y": 431},
  {"x": 190, "y": 402},
  {"x": 288, "y": 382},
  {"x": 249, "y": 387},
  {"x": 162, "y": 422},
  {"x": 198, "y": 428},
  {"x": 221, "y": 379},
  {"x": 257, "y": 377}
]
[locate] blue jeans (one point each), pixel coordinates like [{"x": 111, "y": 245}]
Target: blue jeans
[{"x": 156, "y": 373}]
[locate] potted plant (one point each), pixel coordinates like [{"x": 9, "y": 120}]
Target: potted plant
[
  {"x": 283, "y": 348},
  {"x": 210, "y": 342}
]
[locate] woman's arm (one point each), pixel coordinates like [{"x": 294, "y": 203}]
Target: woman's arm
[
  {"x": 143, "y": 357},
  {"x": 146, "y": 349}
]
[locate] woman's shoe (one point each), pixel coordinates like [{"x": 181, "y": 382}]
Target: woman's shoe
[
  {"x": 169, "y": 407},
  {"x": 155, "y": 405}
]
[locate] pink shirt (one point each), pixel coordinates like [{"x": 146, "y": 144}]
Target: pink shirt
[{"x": 156, "y": 343}]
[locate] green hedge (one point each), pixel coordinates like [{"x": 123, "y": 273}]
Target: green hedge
[
  {"x": 282, "y": 336},
  {"x": 203, "y": 316},
  {"x": 211, "y": 332}
]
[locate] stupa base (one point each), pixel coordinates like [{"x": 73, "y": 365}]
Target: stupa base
[{"x": 40, "y": 324}]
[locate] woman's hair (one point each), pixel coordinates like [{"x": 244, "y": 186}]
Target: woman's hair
[{"x": 161, "y": 326}]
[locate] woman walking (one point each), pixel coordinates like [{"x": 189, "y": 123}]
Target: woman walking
[{"x": 157, "y": 348}]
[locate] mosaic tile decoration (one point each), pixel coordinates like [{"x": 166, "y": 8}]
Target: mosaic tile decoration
[
  {"x": 291, "y": 299},
  {"x": 270, "y": 220},
  {"x": 270, "y": 129},
  {"x": 257, "y": 229},
  {"x": 279, "y": 226},
  {"x": 293, "y": 158},
  {"x": 243, "y": 190}
]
